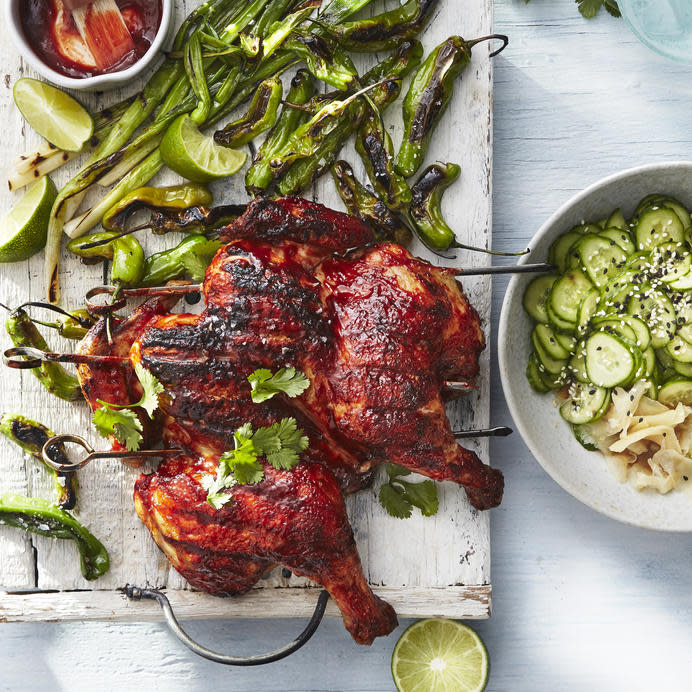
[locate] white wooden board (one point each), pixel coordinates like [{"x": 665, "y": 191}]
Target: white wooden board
[{"x": 424, "y": 566}]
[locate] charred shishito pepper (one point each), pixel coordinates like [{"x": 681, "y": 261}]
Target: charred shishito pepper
[
  {"x": 375, "y": 147},
  {"x": 426, "y": 200},
  {"x": 427, "y": 99},
  {"x": 40, "y": 516},
  {"x": 385, "y": 31},
  {"x": 31, "y": 436},
  {"x": 174, "y": 198},
  {"x": 190, "y": 258},
  {"x": 305, "y": 171},
  {"x": 368, "y": 207},
  {"x": 194, "y": 219},
  {"x": 325, "y": 59},
  {"x": 52, "y": 376},
  {"x": 125, "y": 252},
  {"x": 259, "y": 175},
  {"x": 261, "y": 115}
]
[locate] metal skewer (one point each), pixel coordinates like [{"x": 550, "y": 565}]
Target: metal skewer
[
  {"x": 54, "y": 450},
  {"x": 27, "y": 357},
  {"x": 120, "y": 296},
  {"x": 500, "y": 431},
  {"x": 511, "y": 269}
]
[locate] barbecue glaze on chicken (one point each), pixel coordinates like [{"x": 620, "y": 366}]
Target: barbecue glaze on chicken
[{"x": 376, "y": 331}]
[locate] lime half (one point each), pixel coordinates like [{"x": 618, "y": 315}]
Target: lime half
[
  {"x": 23, "y": 231},
  {"x": 56, "y": 116},
  {"x": 440, "y": 656},
  {"x": 185, "y": 150}
]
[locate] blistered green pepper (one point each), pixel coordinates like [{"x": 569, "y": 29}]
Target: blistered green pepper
[
  {"x": 175, "y": 197},
  {"x": 259, "y": 175},
  {"x": 376, "y": 150},
  {"x": 426, "y": 210},
  {"x": 31, "y": 436},
  {"x": 52, "y": 376},
  {"x": 125, "y": 252},
  {"x": 324, "y": 58},
  {"x": 73, "y": 327},
  {"x": 427, "y": 99},
  {"x": 190, "y": 258},
  {"x": 195, "y": 219},
  {"x": 261, "y": 115},
  {"x": 40, "y": 516},
  {"x": 302, "y": 173},
  {"x": 385, "y": 31},
  {"x": 368, "y": 207}
]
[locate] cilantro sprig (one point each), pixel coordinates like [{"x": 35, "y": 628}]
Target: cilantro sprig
[
  {"x": 399, "y": 497},
  {"x": 265, "y": 385},
  {"x": 280, "y": 444},
  {"x": 120, "y": 420},
  {"x": 589, "y": 8}
]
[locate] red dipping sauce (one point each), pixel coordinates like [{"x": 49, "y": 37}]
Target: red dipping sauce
[{"x": 52, "y": 33}]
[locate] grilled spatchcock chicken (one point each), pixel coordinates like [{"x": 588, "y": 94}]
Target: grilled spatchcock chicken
[{"x": 376, "y": 331}]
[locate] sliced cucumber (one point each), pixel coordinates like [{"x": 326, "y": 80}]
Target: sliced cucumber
[
  {"x": 601, "y": 258},
  {"x": 536, "y": 297},
  {"x": 587, "y": 309},
  {"x": 584, "y": 437},
  {"x": 670, "y": 261},
  {"x": 584, "y": 228},
  {"x": 553, "y": 365},
  {"x": 658, "y": 226},
  {"x": 533, "y": 374},
  {"x": 577, "y": 363},
  {"x": 586, "y": 403},
  {"x": 566, "y": 341},
  {"x": 684, "y": 369},
  {"x": 616, "y": 293},
  {"x": 567, "y": 294},
  {"x": 678, "y": 349},
  {"x": 675, "y": 392},
  {"x": 610, "y": 361},
  {"x": 620, "y": 237},
  {"x": 557, "y": 322},
  {"x": 560, "y": 248},
  {"x": 649, "y": 359},
  {"x": 684, "y": 283},
  {"x": 617, "y": 220},
  {"x": 653, "y": 307},
  {"x": 547, "y": 338},
  {"x": 615, "y": 324}
]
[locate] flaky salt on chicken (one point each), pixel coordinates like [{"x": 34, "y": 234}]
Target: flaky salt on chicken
[{"x": 376, "y": 331}]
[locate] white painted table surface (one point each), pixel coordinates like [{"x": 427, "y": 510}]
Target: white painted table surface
[{"x": 580, "y": 602}]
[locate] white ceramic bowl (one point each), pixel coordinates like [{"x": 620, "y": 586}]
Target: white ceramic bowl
[
  {"x": 584, "y": 474},
  {"x": 100, "y": 82}
]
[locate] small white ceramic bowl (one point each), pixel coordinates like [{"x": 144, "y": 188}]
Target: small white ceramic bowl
[
  {"x": 584, "y": 474},
  {"x": 98, "y": 82}
]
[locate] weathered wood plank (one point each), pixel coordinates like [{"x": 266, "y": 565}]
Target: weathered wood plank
[
  {"x": 468, "y": 602},
  {"x": 450, "y": 549}
]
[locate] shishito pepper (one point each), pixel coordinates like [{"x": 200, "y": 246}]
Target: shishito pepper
[
  {"x": 427, "y": 99},
  {"x": 52, "y": 376},
  {"x": 376, "y": 150},
  {"x": 368, "y": 207},
  {"x": 385, "y": 31},
  {"x": 31, "y": 436},
  {"x": 305, "y": 171},
  {"x": 176, "y": 197},
  {"x": 125, "y": 252},
  {"x": 324, "y": 58},
  {"x": 40, "y": 516},
  {"x": 426, "y": 200},
  {"x": 261, "y": 115},
  {"x": 259, "y": 175},
  {"x": 190, "y": 258},
  {"x": 195, "y": 219}
]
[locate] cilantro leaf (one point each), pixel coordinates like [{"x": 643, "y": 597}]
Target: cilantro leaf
[
  {"x": 288, "y": 380},
  {"x": 280, "y": 444},
  {"x": 123, "y": 424},
  {"x": 152, "y": 388},
  {"x": 399, "y": 497},
  {"x": 589, "y": 8},
  {"x": 612, "y": 8},
  {"x": 394, "y": 501}
]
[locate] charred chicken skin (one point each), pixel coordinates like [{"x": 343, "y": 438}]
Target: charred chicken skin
[{"x": 376, "y": 331}]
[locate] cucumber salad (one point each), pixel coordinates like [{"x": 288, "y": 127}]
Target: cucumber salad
[{"x": 617, "y": 311}]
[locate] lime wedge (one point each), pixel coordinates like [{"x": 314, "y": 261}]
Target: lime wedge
[
  {"x": 23, "y": 231},
  {"x": 440, "y": 655},
  {"x": 185, "y": 150},
  {"x": 56, "y": 116}
]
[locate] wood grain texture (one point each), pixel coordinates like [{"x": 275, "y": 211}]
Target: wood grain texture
[
  {"x": 450, "y": 549},
  {"x": 579, "y": 601}
]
